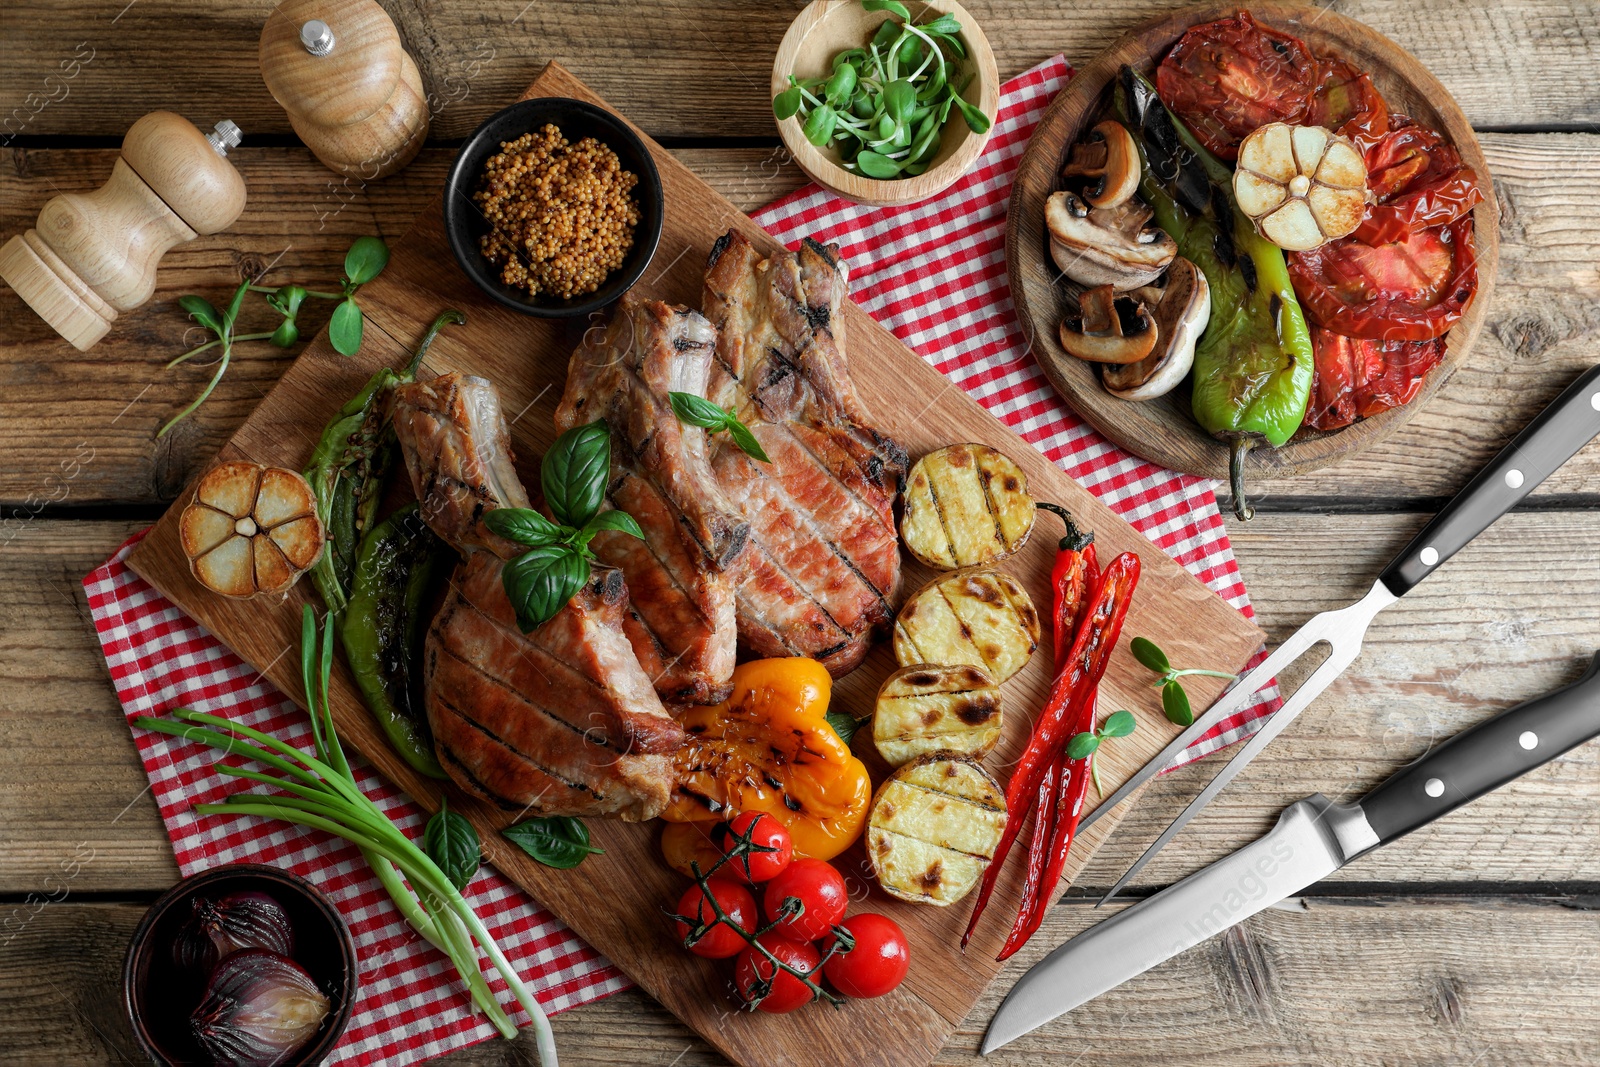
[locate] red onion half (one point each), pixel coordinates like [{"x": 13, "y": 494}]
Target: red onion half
[
  {"x": 227, "y": 924},
  {"x": 260, "y": 1008}
]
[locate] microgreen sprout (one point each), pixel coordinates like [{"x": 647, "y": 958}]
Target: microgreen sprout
[
  {"x": 1086, "y": 744},
  {"x": 1174, "y": 701}
]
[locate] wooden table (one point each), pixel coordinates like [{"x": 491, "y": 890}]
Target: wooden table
[{"x": 1472, "y": 941}]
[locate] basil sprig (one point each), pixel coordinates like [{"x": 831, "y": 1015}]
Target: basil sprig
[
  {"x": 698, "y": 411},
  {"x": 558, "y": 841},
  {"x": 453, "y": 845},
  {"x": 573, "y": 477}
]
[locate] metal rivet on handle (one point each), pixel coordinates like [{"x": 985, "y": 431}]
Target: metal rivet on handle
[
  {"x": 1529, "y": 740},
  {"x": 1594, "y": 401},
  {"x": 1433, "y": 787},
  {"x": 1430, "y": 556},
  {"x": 1514, "y": 478}
]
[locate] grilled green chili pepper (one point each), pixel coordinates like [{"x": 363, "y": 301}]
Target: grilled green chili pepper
[
  {"x": 381, "y": 629},
  {"x": 1254, "y": 363},
  {"x": 347, "y": 470}
]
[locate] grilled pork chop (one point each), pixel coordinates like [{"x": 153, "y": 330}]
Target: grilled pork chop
[
  {"x": 560, "y": 721},
  {"x": 824, "y": 561},
  {"x": 682, "y": 618}
]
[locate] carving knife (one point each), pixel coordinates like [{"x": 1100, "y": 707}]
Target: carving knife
[
  {"x": 1313, "y": 838},
  {"x": 1553, "y": 437}
]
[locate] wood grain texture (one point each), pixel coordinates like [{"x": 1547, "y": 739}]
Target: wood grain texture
[
  {"x": 1163, "y": 430},
  {"x": 1513, "y": 63},
  {"x": 1436, "y": 979}
]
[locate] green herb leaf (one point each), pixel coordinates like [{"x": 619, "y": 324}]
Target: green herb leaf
[
  {"x": 541, "y": 581},
  {"x": 287, "y": 300},
  {"x": 574, "y": 472},
  {"x": 1118, "y": 724},
  {"x": 524, "y": 526},
  {"x": 365, "y": 260},
  {"x": 909, "y": 54},
  {"x": 819, "y": 124},
  {"x": 899, "y": 100},
  {"x": 232, "y": 313},
  {"x": 1175, "y": 702},
  {"x": 874, "y": 165},
  {"x": 453, "y": 845},
  {"x": 344, "y": 328},
  {"x": 889, "y": 33},
  {"x": 746, "y": 441},
  {"x": 201, "y": 311},
  {"x": 977, "y": 121},
  {"x": 1145, "y": 651},
  {"x": 614, "y": 519},
  {"x": 285, "y": 335},
  {"x": 842, "y": 86},
  {"x": 843, "y": 724},
  {"x": 893, "y": 7},
  {"x": 696, "y": 410},
  {"x": 558, "y": 841},
  {"x": 946, "y": 25},
  {"x": 786, "y": 103},
  {"x": 1082, "y": 745}
]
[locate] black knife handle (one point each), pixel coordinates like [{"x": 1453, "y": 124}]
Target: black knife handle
[
  {"x": 1552, "y": 438},
  {"x": 1486, "y": 757}
]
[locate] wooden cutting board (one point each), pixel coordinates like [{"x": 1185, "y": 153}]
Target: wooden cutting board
[{"x": 614, "y": 900}]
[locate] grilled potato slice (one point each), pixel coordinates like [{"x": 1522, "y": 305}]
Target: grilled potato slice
[
  {"x": 933, "y": 828},
  {"x": 979, "y": 617},
  {"x": 965, "y": 505},
  {"x": 931, "y": 707}
]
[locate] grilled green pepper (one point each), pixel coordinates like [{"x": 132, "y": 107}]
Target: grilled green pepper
[
  {"x": 347, "y": 469},
  {"x": 1254, "y": 363},
  {"x": 381, "y": 629}
]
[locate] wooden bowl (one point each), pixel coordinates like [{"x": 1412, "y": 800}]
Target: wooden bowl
[
  {"x": 827, "y": 27},
  {"x": 1163, "y": 430}
]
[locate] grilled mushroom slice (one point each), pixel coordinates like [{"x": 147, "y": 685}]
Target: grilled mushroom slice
[
  {"x": 1115, "y": 246},
  {"x": 1109, "y": 160},
  {"x": 1109, "y": 328},
  {"x": 1182, "y": 311}
]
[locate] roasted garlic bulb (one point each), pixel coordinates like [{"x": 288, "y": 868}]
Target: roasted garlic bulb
[
  {"x": 251, "y": 529},
  {"x": 1302, "y": 186}
]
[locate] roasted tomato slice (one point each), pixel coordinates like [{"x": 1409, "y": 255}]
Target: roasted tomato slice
[
  {"x": 1228, "y": 77},
  {"x": 1347, "y": 102},
  {"x": 1410, "y": 290},
  {"x": 1418, "y": 182},
  {"x": 1358, "y": 378}
]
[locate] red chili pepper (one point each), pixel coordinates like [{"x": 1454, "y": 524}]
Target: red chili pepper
[
  {"x": 1070, "y": 694},
  {"x": 1072, "y": 578}
]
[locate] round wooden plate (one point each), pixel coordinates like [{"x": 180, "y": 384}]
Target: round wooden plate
[{"x": 1163, "y": 431}]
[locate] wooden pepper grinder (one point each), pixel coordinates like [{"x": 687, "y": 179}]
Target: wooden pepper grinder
[
  {"x": 352, "y": 93},
  {"x": 91, "y": 255}
]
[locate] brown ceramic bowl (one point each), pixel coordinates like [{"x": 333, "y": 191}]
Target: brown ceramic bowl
[{"x": 158, "y": 997}]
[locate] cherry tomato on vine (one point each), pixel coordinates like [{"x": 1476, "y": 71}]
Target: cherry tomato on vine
[
  {"x": 878, "y": 962},
  {"x": 771, "y": 852},
  {"x": 719, "y": 941},
  {"x": 818, "y": 887},
  {"x": 764, "y": 985}
]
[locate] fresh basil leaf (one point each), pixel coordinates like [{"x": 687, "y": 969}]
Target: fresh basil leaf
[
  {"x": 453, "y": 845},
  {"x": 819, "y": 124},
  {"x": 201, "y": 311},
  {"x": 574, "y": 473},
  {"x": 541, "y": 581},
  {"x": 746, "y": 441},
  {"x": 1082, "y": 745},
  {"x": 977, "y": 121},
  {"x": 615, "y": 519},
  {"x": 1118, "y": 724},
  {"x": 786, "y": 103},
  {"x": 899, "y": 100},
  {"x": 696, "y": 410},
  {"x": 365, "y": 260},
  {"x": 843, "y": 724},
  {"x": 524, "y": 526},
  {"x": 285, "y": 335},
  {"x": 344, "y": 328},
  {"x": 1145, "y": 651},
  {"x": 1175, "y": 703},
  {"x": 558, "y": 841},
  {"x": 893, "y": 7},
  {"x": 874, "y": 165}
]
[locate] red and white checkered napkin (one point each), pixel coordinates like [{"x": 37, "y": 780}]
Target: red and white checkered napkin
[{"x": 934, "y": 273}]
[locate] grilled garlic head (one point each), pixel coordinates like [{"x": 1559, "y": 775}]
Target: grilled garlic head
[
  {"x": 251, "y": 529},
  {"x": 1302, "y": 186}
]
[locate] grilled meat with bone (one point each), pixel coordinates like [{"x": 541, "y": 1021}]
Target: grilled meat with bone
[
  {"x": 823, "y": 562},
  {"x": 681, "y": 621},
  {"x": 560, "y": 721}
]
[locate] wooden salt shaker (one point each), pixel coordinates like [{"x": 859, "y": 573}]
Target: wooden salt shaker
[
  {"x": 91, "y": 255},
  {"x": 352, "y": 93}
]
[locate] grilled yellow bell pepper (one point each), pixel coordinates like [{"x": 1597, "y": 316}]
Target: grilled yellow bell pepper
[{"x": 769, "y": 748}]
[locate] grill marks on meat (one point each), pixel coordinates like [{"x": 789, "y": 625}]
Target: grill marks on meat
[
  {"x": 560, "y": 721},
  {"x": 823, "y": 562},
  {"x": 682, "y": 622}
]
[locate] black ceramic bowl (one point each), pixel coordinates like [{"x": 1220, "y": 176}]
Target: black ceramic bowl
[
  {"x": 158, "y": 996},
  {"x": 465, "y": 225}
]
